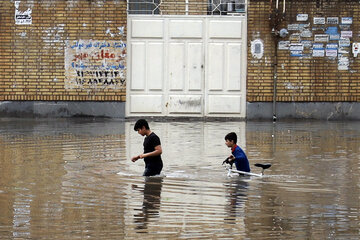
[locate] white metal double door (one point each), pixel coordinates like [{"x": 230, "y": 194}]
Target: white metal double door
[{"x": 186, "y": 66}]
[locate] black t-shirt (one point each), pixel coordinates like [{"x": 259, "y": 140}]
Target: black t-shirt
[{"x": 150, "y": 142}]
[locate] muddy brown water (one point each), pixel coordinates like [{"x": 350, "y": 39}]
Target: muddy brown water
[{"x": 73, "y": 179}]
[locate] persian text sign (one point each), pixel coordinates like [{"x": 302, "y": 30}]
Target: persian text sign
[
  {"x": 22, "y": 18},
  {"x": 95, "y": 64}
]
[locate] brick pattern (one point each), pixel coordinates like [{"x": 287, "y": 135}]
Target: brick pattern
[
  {"x": 301, "y": 78},
  {"x": 174, "y": 7},
  {"x": 32, "y": 56}
]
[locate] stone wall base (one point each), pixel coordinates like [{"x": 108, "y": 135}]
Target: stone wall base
[
  {"x": 61, "y": 109},
  {"x": 304, "y": 110},
  {"x": 255, "y": 110}
]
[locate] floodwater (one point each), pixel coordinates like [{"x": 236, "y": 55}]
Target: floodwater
[{"x": 73, "y": 179}]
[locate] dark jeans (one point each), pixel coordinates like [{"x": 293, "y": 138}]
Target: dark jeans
[{"x": 151, "y": 171}]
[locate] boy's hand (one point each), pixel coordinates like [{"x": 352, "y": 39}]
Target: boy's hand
[
  {"x": 226, "y": 161},
  {"x": 134, "y": 159}
]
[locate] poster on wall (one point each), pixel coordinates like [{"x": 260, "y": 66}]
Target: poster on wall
[
  {"x": 344, "y": 42},
  {"x": 95, "y": 64},
  {"x": 22, "y": 17},
  {"x": 346, "y": 34},
  {"x": 332, "y": 20},
  {"x": 296, "y": 53},
  {"x": 302, "y": 17},
  {"x": 321, "y": 38},
  {"x": 346, "y": 20},
  {"x": 284, "y": 45},
  {"x": 306, "y": 43},
  {"x": 331, "y": 52},
  {"x": 343, "y": 63},
  {"x": 296, "y": 47},
  {"x": 318, "y": 52},
  {"x": 319, "y": 20}
]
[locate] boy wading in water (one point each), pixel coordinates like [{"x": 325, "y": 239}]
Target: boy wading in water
[
  {"x": 152, "y": 149},
  {"x": 237, "y": 154}
]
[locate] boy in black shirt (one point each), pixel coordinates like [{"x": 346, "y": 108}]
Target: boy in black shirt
[{"x": 152, "y": 149}]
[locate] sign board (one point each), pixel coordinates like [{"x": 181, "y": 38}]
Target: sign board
[
  {"x": 91, "y": 64},
  {"x": 306, "y": 43},
  {"x": 306, "y": 33},
  {"x": 331, "y": 30},
  {"x": 344, "y": 42},
  {"x": 319, "y": 20},
  {"x": 345, "y": 27},
  {"x": 296, "y": 47},
  {"x": 293, "y": 27},
  {"x": 334, "y": 37},
  {"x": 331, "y": 52},
  {"x": 22, "y": 18},
  {"x": 343, "y": 63},
  {"x": 343, "y": 50},
  {"x": 302, "y": 17},
  {"x": 346, "y": 34},
  {"x": 284, "y": 45},
  {"x": 295, "y": 37},
  {"x": 296, "y": 53},
  {"x": 321, "y": 38},
  {"x": 346, "y": 20},
  {"x": 320, "y": 52},
  {"x": 332, "y": 20},
  {"x": 331, "y": 46},
  {"x": 318, "y": 45}
]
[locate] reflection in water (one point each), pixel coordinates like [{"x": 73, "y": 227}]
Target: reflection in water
[
  {"x": 151, "y": 203},
  {"x": 58, "y": 180},
  {"x": 236, "y": 193}
]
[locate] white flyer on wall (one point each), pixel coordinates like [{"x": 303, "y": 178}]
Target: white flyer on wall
[
  {"x": 22, "y": 18},
  {"x": 319, "y": 20},
  {"x": 320, "y": 52},
  {"x": 302, "y": 17},
  {"x": 346, "y": 20},
  {"x": 331, "y": 52}
]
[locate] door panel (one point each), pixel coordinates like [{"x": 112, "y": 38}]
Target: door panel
[
  {"x": 176, "y": 66},
  {"x": 188, "y": 29},
  {"x": 224, "y": 104},
  {"x": 215, "y": 66},
  {"x": 233, "y": 66},
  {"x": 138, "y": 70},
  {"x": 195, "y": 66},
  {"x": 155, "y": 66},
  {"x": 185, "y": 104},
  {"x": 146, "y": 103}
]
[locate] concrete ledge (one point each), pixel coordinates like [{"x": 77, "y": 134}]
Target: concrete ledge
[
  {"x": 255, "y": 111},
  {"x": 62, "y": 109},
  {"x": 304, "y": 110}
]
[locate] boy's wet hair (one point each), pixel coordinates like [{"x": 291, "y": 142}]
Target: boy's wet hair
[
  {"x": 231, "y": 137},
  {"x": 141, "y": 123}
]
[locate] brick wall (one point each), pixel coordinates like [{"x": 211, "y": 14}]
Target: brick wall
[
  {"x": 301, "y": 75},
  {"x": 175, "y": 7},
  {"x": 33, "y": 56}
]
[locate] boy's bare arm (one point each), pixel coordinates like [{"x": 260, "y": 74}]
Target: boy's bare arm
[{"x": 156, "y": 152}]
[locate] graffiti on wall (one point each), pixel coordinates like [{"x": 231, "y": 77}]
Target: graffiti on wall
[{"x": 95, "y": 64}]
